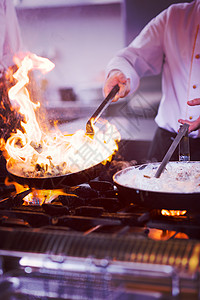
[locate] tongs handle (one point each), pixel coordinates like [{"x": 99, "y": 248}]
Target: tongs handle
[
  {"x": 100, "y": 109},
  {"x": 182, "y": 131}
]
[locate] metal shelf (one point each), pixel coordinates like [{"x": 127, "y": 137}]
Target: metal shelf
[{"x": 59, "y": 3}]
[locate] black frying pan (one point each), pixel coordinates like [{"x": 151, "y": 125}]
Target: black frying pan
[
  {"x": 71, "y": 179},
  {"x": 57, "y": 182},
  {"x": 155, "y": 199}
]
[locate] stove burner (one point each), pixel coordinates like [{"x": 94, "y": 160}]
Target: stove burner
[
  {"x": 90, "y": 228},
  {"x": 93, "y": 207}
]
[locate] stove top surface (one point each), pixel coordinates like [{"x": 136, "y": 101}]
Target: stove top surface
[{"x": 87, "y": 236}]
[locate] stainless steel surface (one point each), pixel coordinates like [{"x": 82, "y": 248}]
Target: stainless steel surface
[{"x": 69, "y": 266}]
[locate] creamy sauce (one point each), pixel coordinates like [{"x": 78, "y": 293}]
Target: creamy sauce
[{"x": 178, "y": 177}]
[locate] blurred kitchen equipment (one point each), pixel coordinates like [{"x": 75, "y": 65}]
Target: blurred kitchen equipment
[{"x": 67, "y": 94}]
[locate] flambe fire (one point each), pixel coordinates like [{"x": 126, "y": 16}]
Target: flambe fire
[
  {"x": 173, "y": 213},
  {"x": 36, "y": 153}
]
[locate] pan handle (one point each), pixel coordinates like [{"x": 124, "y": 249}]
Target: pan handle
[
  {"x": 182, "y": 131},
  {"x": 184, "y": 148}
]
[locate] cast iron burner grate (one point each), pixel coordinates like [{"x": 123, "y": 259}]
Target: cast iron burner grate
[
  {"x": 85, "y": 206},
  {"x": 92, "y": 207},
  {"x": 95, "y": 241}
]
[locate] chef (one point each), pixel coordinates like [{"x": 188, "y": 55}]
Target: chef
[{"x": 168, "y": 44}]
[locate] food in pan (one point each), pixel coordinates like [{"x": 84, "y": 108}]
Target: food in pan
[
  {"x": 38, "y": 151},
  {"x": 178, "y": 177},
  {"x": 61, "y": 154}
]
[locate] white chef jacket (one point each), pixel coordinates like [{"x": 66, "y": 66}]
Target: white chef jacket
[
  {"x": 170, "y": 43},
  {"x": 10, "y": 39}
]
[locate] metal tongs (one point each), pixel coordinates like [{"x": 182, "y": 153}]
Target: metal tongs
[
  {"x": 100, "y": 110},
  {"x": 182, "y": 132}
]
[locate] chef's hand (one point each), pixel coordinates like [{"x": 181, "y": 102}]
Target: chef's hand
[
  {"x": 117, "y": 77},
  {"x": 195, "y": 124}
]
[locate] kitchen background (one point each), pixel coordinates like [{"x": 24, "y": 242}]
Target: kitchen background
[{"x": 80, "y": 37}]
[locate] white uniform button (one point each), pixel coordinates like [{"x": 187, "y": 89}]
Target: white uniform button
[
  {"x": 194, "y": 86},
  {"x": 197, "y": 56},
  {"x": 190, "y": 117}
]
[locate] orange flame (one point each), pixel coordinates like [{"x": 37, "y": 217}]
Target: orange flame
[
  {"x": 38, "y": 197},
  {"x": 164, "y": 235},
  {"x": 20, "y": 94},
  {"x": 173, "y": 213},
  {"x": 53, "y": 153}
]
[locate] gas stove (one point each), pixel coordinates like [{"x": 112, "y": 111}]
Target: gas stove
[{"x": 88, "y": 243}]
